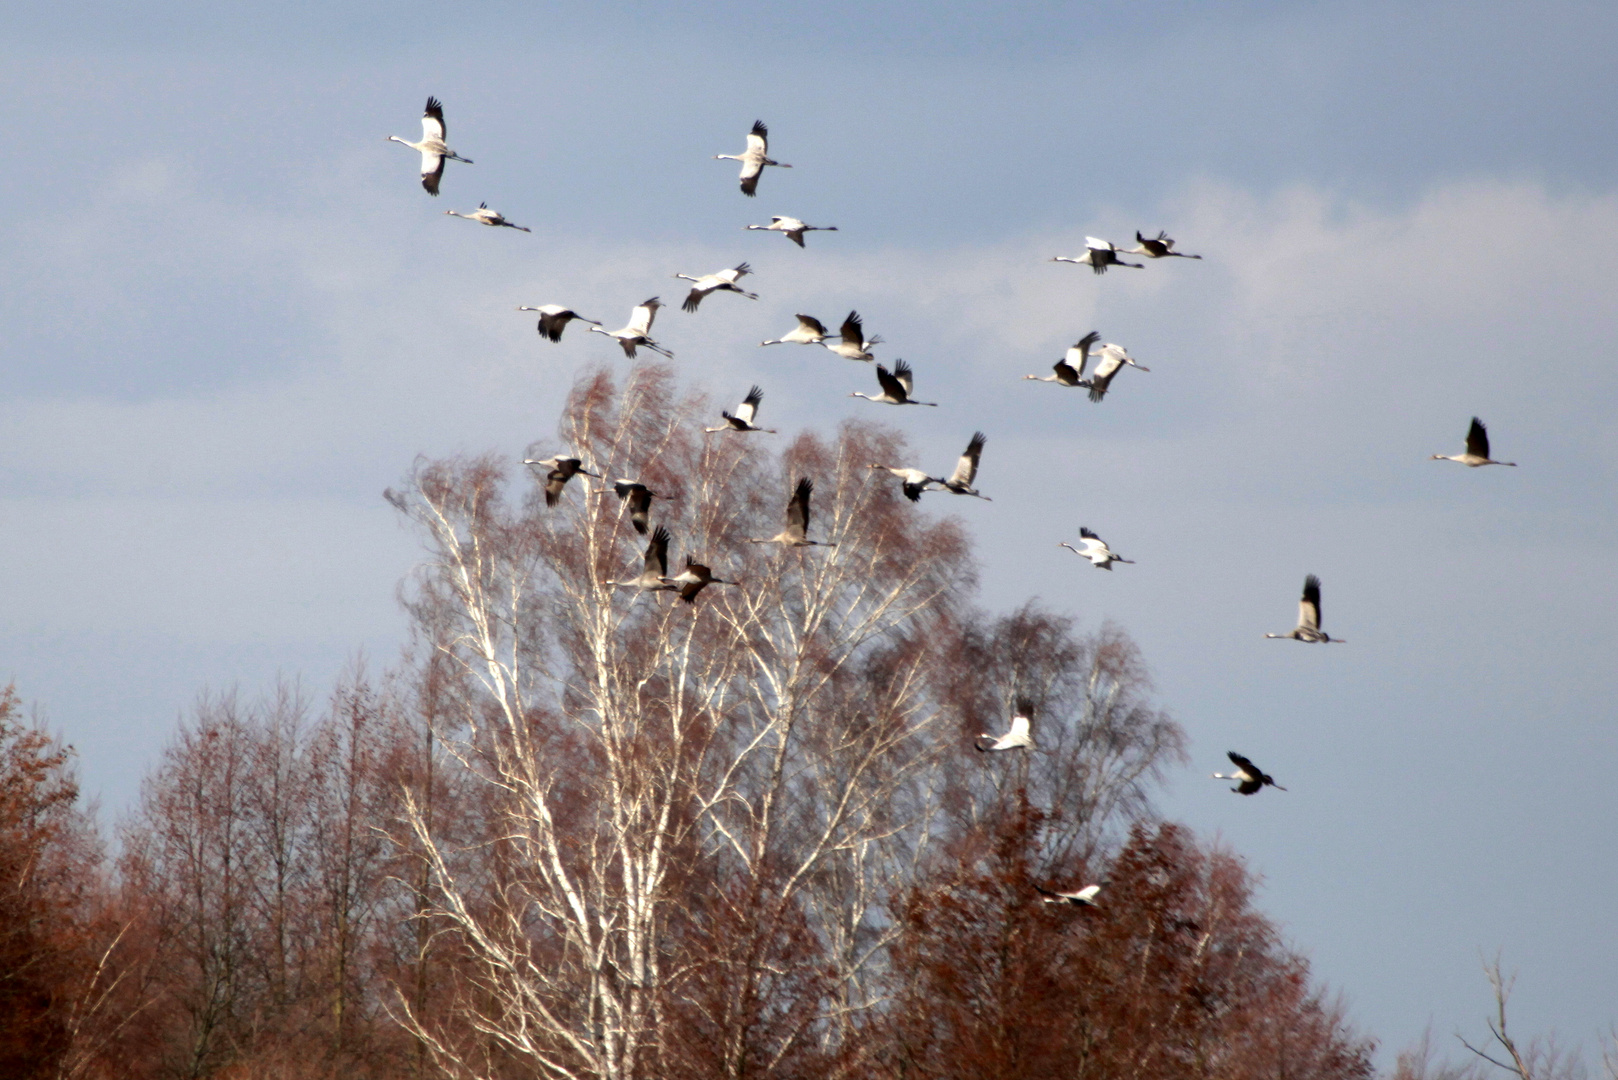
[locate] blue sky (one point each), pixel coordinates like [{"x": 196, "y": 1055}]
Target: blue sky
[{"x": 231, "y": 317}]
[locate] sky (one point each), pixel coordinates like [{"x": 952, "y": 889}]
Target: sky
[{"x": 229, "y": 317}]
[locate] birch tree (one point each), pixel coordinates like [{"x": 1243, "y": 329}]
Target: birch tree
[{"x": 676, "y": 788}]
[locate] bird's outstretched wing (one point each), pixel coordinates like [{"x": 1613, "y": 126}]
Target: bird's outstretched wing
[
  {"x": 432, "y": 121},
  {"x": 1477, "y": 439},
  {"x": 1309, "y": 604},
  {"x": 657, "y": 553},
  {"x": 901, "y": 372},
  {"x": 640, "y": 320},
  {"x": 853, "y": 330},
  {"x": 749, "y": 406},
  {"x": 798, "y": 508},
  {"x": 966, "y": 470}
]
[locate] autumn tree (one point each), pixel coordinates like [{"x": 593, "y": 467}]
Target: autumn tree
[
  {"x": 52, "y": 947},
  {"x": 1173, "y": 974}
]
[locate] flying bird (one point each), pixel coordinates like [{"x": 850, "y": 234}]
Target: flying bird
[
  {"x": 853, "y": 344},
  {"x": 654, "y": 577},
  {"x": 722, "y": 281},
  {"x": 434, "y": 151},
  {"x": 966, "y": 470},
  {"x": 1159, "y": 247},
  {"x": 1069, "y": 371},
  {"x": 638, "y": 497},
  {"x": 754, "y": 158},
  {"x": 1477, "y": 448},
  {"x": 1098, "y": 255},
  {"x": 1249, "y": 776},
  {"x": 1085, "y": 897},
  {"x": 914, "y": 480},
  {"x": 1111, "y": 360},
  {"x": 1308, "y": 628},
  {"x": 809, "y": 331},
  {"x": 693, "y": 579},
  {"x": 1096, "y": 550},
  {"x": 638, "y": 331},
  {"x": 792, "y": 227},
  {"x": 743, "y": 418},
  {"x": 796, "y": 533},
  {"x": 895, "y": 387},
  {"x": 553, "y": 319},
  {"x": 484, "y": 216},
  {"x": 559, "y": 470},
  {"x": 1017, "y": 738}
]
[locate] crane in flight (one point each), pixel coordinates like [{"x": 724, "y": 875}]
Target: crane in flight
[
  {"x": 754, "y": 158},
  {"x": 553, "y": 319},
  {"x": 434, "y": 151},
  {"x": 1308, "y": 628},
  {"x": 796, "y": 533},
  {"x": 966, "y": 469},
  {"x": 1160, "y": 246},
  {"x": 720, "y": 281},
  {"x": 484, "y": 216},
  {"x": 558, "y": 471},
  {"x": 895, "y": 387},
  {"x": 809, "y": 331},
  {"x": 1249, "y": 777},
  {"x": 852, "y": 344},
  {"x": 1477, "y": 448},
  {"x": 1096, "y": 550},
  {"x": 742, "y": 420},
  {"x": 1098, "y": 255},
  {"x": 1069, "y": 371},
  {"x": 793, "y": 228},
  {"x": 1018, "y": 738},
  {"x": 639, "y": 330}
]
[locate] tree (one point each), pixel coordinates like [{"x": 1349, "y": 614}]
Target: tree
[
  {"x": 697, "y": 813},
  {"x": 1171, "y": 975},
  {"x": 49, "y": 896}
]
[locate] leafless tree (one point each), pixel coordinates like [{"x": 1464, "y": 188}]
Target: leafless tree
[{"x": 698, "y": 814}]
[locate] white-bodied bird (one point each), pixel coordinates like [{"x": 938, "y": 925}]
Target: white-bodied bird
[
  {"x": 1069, "y": 371},
  {"x": 722, "y": 281},
  {"x": 793, "y": 228},
  {"x": 1018, "y": 738},
  {"x": 895, "y": 387},
  {"x": 1308, "y": 628},
  {"x": 639, "y": 330},
  {"x": 1098, "y": 255},
  {"x": 434, "y": 151},
  {"x": 966, "y": 469},
  {"x": 914, "y": 481},
  {"x": 742, "y": 419},
  {"x": 553, "y": 319},
  {"x": 484, "y": 216},
  {"x": 852, "y": 343},
  {"x": 1110, "y": 360},
  {"x": 809, "y": 331},
  {"x": 1477, "y": 448},
  {"x": 1096, "y": 550},
  {"x": 754, "y": 158},
  {"x": 1085, "y": 897}
]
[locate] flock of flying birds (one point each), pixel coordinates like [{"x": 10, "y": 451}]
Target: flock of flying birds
[{"x": 1073, "y": 370}]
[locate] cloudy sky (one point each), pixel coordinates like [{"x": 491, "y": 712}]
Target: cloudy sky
[{"x": 229, "y": 317}]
